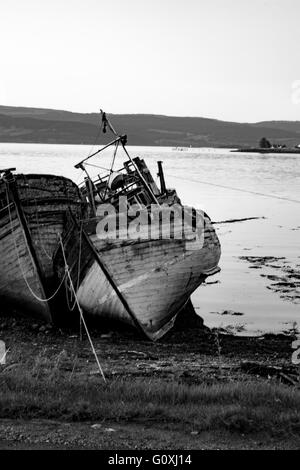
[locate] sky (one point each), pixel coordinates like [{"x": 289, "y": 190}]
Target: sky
[{"x": 234, "y": 60}]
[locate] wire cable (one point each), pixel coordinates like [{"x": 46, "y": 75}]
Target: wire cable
[{"x": 256, "y": 193}]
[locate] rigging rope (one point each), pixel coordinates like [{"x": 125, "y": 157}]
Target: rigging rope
[
  {"x": 274, "y": 196},
  {"x": 71, "y": 308},
  {"x": 66, "y": 274},
  {"x": 111, "y": 168},
  {"x": 96, "y": 138},
  {"x": 6, "y": 207},
  {"x": 80, "y": 310},
  {"x": 20, "y": 263},
  {"x": 97, "y": 166}
]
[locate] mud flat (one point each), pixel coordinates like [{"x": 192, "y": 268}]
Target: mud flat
[{"x": 195, "y": 389}]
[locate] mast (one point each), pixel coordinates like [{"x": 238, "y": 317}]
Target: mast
[
  {"x": 161, "y": 178},
  {"x": 120, "y": 139}
]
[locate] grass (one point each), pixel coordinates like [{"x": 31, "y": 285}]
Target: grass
[{"x": 48, "y": 391}]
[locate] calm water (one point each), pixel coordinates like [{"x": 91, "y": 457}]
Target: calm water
[{"x": 242, "y": 287}]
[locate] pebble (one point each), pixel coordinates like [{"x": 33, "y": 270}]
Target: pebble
[{"x": 96, "y": 426}]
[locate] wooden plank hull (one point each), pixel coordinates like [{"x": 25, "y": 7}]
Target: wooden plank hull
[
  {"x": 155, "y": 277},
  {"x": 19, "y": 278},
  {"x": 46, "y": 201},
  {"x": 28, "y": 242}
]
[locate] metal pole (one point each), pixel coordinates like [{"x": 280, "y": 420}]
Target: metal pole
[{"x": 161, "y": 178}]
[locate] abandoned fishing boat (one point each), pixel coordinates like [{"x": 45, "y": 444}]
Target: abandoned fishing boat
[
  {"x": 33, "y": 212},
  {"x": 140, "y": 254}
]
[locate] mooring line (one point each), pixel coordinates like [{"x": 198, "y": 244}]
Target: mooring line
[
  {"x": 40, "y": 299},
  {"x": 80, "y": 309},
  {"x": 256, "y": 193}
]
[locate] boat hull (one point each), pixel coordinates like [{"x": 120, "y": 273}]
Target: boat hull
[
  {"x": 46, "y": 202},
  {"x": 20, "y": 283},
  {"x": 143, "y": 282},
  {"x": 29, "y": 235}
]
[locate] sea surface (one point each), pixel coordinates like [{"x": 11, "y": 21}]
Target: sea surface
[{"x": 258, "y": 288}]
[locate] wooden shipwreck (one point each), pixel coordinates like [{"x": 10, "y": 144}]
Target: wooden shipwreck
[
  {"x": 33, "y": 212},
  {"x": 122, "y": 266}
]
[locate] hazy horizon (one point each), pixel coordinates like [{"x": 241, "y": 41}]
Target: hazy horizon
[{"x": 231, "y": 60}]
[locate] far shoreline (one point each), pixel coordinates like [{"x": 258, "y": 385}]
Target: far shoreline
[{"x": 171, "y": 147}]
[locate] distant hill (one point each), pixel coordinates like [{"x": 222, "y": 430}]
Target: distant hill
[
  {"x": 63, "y": 127},
  {"x": 291, "y": 126}
]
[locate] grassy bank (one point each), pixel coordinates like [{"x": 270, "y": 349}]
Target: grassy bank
[
  {"x": 190, "y": 390},
  {"x": 245, "y": 407}
]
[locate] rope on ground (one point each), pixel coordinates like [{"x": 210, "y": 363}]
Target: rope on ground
[
  {"x": 273, "y": 196},
  {"x": 78, "y": 275},
  {"x": 40, "y": 299},
  {"x": 80, "y": 310}
]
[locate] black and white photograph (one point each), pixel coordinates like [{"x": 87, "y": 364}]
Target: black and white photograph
[{"x": 149, "y": 228}]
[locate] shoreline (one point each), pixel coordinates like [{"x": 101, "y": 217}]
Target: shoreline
[{"x": 47, "y": 366}]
